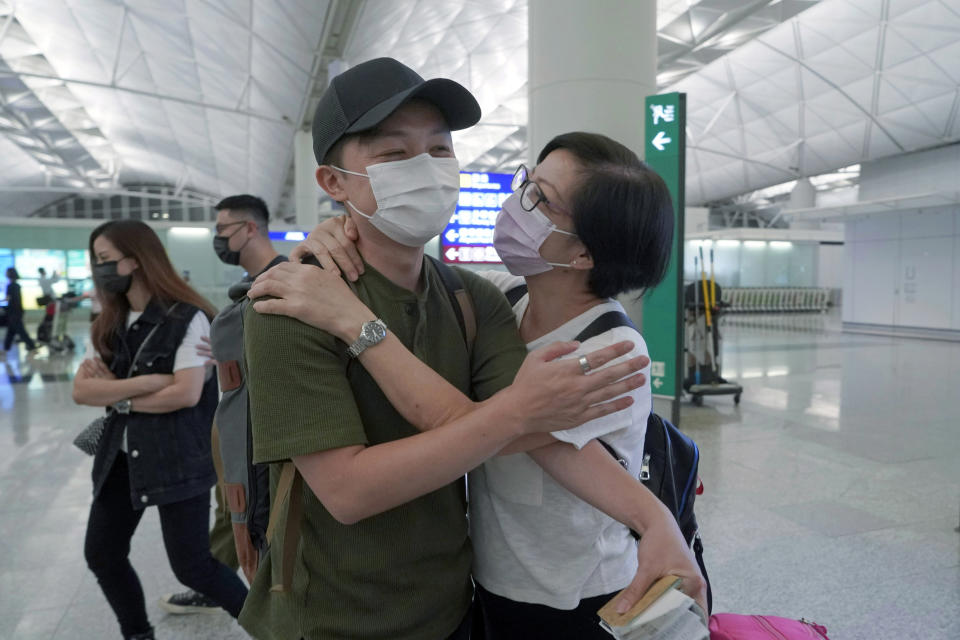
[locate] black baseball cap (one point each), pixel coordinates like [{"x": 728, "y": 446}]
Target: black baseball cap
[{"x": 363, "y": 96}]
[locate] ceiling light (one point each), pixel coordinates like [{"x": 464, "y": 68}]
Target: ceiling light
[{"x": 190, "y": 232}]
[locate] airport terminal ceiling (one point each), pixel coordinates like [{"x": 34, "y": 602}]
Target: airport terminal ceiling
[{"x": 205, "y": 95}]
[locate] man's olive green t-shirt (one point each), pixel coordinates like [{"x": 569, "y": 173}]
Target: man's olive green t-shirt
[{"x": 405, "y": 573}]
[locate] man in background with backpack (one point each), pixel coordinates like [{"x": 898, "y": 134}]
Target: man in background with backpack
[
  {"x": 382, "y": 550},
  {"x": 242, "y": 238}
]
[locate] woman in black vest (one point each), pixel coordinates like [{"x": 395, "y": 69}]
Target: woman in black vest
[{"x": 155, "y": 449}]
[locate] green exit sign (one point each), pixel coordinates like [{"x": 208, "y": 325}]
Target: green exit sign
[{"x": 665, "y": 151}]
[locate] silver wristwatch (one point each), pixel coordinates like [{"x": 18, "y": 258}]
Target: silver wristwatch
[
  {"x": 371, "y": 333},
  {"x": 124, "y": 406}
]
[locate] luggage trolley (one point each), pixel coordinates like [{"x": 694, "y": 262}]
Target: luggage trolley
[
  {"x": 53, "y": 328},
  {"x": 702, "y": 320}
]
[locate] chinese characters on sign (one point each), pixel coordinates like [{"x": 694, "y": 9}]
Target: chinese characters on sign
[
  {"x": 663, "y": 112},
  {"x": 469, "y": 235},
  {"x": 666, "y": 113}
]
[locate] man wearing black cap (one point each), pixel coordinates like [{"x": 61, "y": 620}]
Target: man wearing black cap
[{"x": 383, "y": 549}]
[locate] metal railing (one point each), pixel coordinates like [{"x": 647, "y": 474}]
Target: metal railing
[{"x": 776, "y": 299}]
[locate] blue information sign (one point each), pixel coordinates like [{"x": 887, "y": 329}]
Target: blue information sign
[
  {"x": 469, "y": 235},
  {"x": 288, "y": 236}
]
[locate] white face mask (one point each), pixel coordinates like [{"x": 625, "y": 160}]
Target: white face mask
[{"x": 415, "y": 197}]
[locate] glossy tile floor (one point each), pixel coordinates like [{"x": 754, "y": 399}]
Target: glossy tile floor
[{"x": 832, "y": 491}]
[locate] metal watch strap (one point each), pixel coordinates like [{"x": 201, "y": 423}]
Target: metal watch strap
[{"x": 363, "y": 341}]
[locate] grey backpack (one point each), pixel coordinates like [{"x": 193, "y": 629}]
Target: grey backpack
[{"x": 246, "y": 486}]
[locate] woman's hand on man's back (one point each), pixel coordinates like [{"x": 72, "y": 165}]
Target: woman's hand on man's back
[{"x": 553, "y": 394}]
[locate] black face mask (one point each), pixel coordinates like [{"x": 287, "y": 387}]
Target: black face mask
[
  {"x": 105, "y": 276},
  {"x": 221, "y": 245}
]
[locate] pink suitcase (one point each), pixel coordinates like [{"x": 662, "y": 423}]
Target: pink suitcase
[{"x": 732, "y": 626}]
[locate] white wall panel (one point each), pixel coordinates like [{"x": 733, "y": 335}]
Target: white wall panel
[
  {"x": 933, "y": 223},
  {"x": 925, "y": 281},
  {"x": 879, "y": 227},
  {"x": 874, "y": 281}
]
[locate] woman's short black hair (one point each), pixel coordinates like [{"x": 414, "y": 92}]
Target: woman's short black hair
[
  {"x": 622, "y": 213},
  {"x": 12, "y": 274}
]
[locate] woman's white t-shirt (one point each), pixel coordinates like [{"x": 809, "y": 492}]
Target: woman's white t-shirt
[{"x": 533, "y": 540}]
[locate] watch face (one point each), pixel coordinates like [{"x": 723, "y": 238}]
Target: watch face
[{"x": 373, "y": 332}]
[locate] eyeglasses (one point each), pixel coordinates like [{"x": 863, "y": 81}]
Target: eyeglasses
[
  {"x": 531, "y": 194},
  {"x": 220, "y": 227}
]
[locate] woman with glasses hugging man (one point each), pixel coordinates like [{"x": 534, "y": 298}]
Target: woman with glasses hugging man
[{"x": 589, "y": 222}]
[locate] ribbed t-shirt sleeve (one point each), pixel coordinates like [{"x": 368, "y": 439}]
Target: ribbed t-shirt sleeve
[
  {"x": 498, "y": 350},
  {"x": 300, "y": 399}
]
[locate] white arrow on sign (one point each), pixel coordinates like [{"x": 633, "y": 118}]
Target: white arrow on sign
[
  {"x": 452, "y": 235},
  {"x": 660, "y": 140},
  {"x": 657, "y": 382},
  {"x": 452, "y": 254}
]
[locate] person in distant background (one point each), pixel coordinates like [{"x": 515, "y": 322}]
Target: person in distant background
[
  {"x": 46, "y": 286},
  {"x": 15, "y": 326}
]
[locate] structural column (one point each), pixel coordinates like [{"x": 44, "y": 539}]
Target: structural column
[
  {"x": 305, "y": 181},
  {"x": 591, "y": 64}
]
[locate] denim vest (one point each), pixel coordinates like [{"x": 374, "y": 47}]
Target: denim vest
[{"x": 168, "y": 454}]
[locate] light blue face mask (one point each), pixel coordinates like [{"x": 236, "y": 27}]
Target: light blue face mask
[{"x": 415, "y": 197}]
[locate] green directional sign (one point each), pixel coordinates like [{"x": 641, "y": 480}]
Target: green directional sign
[{"x": 665, "y": 120}]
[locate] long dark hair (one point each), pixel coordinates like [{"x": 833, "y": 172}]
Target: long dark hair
[
  {"x": 135, "y": 239},
  {"x": 622, "y": 213}
]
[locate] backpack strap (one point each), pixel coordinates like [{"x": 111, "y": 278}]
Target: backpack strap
[
  {"x": 605, "y": 322},
  {"x": 514, "y": 295},
  {"x": 460, "y": 300},
  {"x": 289, "y": 492}
]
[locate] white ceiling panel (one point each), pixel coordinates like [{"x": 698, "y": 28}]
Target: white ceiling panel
[
  {"x": 205, "y": 94},
  {"x": 863, "y": 78}
]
